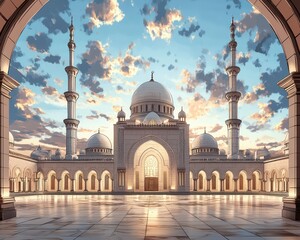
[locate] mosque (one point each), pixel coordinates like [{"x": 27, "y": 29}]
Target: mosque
[{"x": 151, "y": 151}]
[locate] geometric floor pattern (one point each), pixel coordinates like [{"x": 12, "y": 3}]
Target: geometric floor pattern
[{"x": 150, "y": 217}]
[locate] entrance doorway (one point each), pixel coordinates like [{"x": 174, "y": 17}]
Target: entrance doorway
[{"x": 151, "y": 174}]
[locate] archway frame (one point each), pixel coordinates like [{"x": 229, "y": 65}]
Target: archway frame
[{"x": 283, "y": 16}]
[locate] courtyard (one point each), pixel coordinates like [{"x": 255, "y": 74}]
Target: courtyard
[{"x": 148, "y": 217}]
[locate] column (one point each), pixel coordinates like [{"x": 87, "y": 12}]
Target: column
[
  {"x": 262, "y": 187},
  {"x": 72, "y": 185},
  {"x": 23, "y": 184},
  {"x": 7, "y": 207},
  {"x": 195, "y": 184},
  {"x": 235, "y": 185},
  {"x": 249, "y": 185},
  {"x": 58, "y": 185},
  {"x": 99, "y": 185},
  {"x": 85, "y": 185},
  {"x": 45, "y": 185},
  {"x": 208, "y": 185},
  {"x": 272, "y": 185},
  {"x": 222, "y": 185},
  {"x": 291, "y": 204}
]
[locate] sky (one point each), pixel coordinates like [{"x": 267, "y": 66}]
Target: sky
[{"x": 119, "y": 43}]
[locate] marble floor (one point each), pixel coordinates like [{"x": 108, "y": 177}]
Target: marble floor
[{"x": 148, "y": 217}]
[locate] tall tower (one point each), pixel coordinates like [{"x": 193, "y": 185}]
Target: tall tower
[
  {"x": 233, "y": 96},
  {"x": 71, "y": 96}
]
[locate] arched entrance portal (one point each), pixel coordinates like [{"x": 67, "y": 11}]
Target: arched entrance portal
[
  {"x": 151, "y": 174},
  {"x": 151, "y": 168}
]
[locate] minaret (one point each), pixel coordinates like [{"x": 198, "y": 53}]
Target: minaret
[
  {"x": 71, "y": 96},
  {"x": 233, "y": 96}
]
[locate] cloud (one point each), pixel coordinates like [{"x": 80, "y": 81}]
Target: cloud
[
  {"x": 242, "y": 138},
  {"x": 55, "y": 139},
  {"x": 97, "y": 115},
  {"x": 264, "y": 34},
  {"x": 104, "y": 12},
  {"x": 94, "y": 65},
  {"x": 216, "y": 82},
  {"x": 58, "y": 81},
  {"x": 237, "y": 4},
  {"x": 40, "y": 42},
  {"x": 257, "y": 63},
  {"x": 270, "y": 77},
  {"x": 52, "y": 59},
  {"x": 282, "y": 125},
  {"x": 129, "y": 64},
  {"x": 264, "y": 115},
  {"x": 192, "y": 29},
  {"x": 51, "y": 16},
  {"x": 257, "y": 127},
  {"x": 54, "y": 94},
  {"x": 163, "y": 24},
  {"x": 216, "y": 128},
  {"x": 269, "y": 145},
  {"x": 171, "y": 67},
  {"x": 153, "y": 60},
  {"x": 243, "y": 58}
]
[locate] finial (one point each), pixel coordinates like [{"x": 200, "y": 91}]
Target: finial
[
  {"x": 232, "y": 29},
  {"x": 71, "y": 20},
  {"x": 204, "y": 129},
  {"x": 181, "y": 108},
  {"x": 152, "y": 73},
  {"x": 98, "y": 130}
]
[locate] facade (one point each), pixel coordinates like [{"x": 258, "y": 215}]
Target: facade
[{"x": 151, "y": 150}]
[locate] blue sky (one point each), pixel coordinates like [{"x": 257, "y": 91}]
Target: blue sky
[{"x": 119, "y": 43}]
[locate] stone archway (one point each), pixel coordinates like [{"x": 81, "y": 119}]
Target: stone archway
[
  {"x": 152, "y": 170},
  {"x": 283, "y": 16}
]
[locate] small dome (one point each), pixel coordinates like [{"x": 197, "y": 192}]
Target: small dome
[
  {"x": 121, "y": 114},
  {"x": 99, "y": 140},
  {"x": 204, "y": 140},
  {"x": 181, "y": 114},
  {"x": 152, "y": 119},
  {"x": 41, "y": 154},
  {"x": 151, "y": 91}
]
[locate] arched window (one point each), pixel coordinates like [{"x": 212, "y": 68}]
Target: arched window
[
  {"x": 227, "y": 181},
  {"x": 93, "y": 182},
  {"x": 241, "y": 180},
  {"x": 66, "y": 186},
  {"x": 52, "y": 182},
  {"x": 151, "y": 167},
  {"x": 106, "y": 182},
  {"x": 201, "y": 182},
  {"x": 80, "y": 182},
  {"x": 253, "y": 182},
  {"x": 214, "y": 182}
]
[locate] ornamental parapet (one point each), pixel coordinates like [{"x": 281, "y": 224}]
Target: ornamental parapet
[
  {"x": 71, "y": 69},
  {"x": 233, "y": 123},
  {"x": 232, "y": 70},
  {"x": 71, "y": 96},
  {"x": 71, "y": 123},
  {"x": 233, "y": 96}
]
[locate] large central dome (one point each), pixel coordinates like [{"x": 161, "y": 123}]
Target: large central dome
[
  {"x": 151, "y": 96},
  {"x": 151, "y": 91}
]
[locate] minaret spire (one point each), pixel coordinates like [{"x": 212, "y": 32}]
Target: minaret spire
[
  {"x": 71, "y": 96},
  {"x": 233, "y": 96}
]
